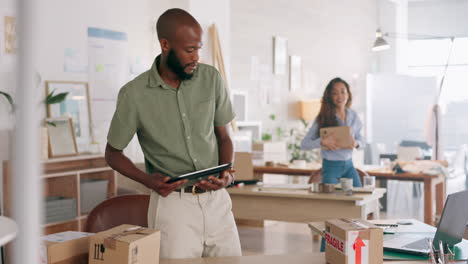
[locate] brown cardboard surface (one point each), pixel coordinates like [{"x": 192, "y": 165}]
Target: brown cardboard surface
[
  {"x": 125, "y": 244},
  {"x": 243, "y": 166},
  {"x": 339, "y": 235},
  {"x": 376, "y": 248},
  {"x": 73, "y": 251},
  {"x": 342, "y": 134}
]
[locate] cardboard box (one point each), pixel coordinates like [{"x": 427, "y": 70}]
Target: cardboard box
[
  {"x": 276, "y": 151},
  {"x": 65, "y": 248},
  {"x": 243, "y": 166},
  {"x": 342, "y": 134},
  {"x": 125, "y": 244},
  {"x": 353, "y": 241}
]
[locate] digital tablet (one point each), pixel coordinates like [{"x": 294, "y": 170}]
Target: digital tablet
[{"x": 198, "y": 175}]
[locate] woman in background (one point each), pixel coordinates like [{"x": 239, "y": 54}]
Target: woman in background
[{"x": 335, "y": 111}]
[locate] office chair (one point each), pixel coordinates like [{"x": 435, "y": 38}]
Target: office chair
[{"x": 126, "y": 209}]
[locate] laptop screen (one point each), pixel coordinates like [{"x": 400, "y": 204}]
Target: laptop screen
[{"x": 454, "y": 219}]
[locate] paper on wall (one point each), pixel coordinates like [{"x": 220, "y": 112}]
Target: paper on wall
[{"x": 107, "y": 59}]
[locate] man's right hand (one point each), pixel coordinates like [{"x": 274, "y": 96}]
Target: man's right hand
[{"x": 158, "y": 183}]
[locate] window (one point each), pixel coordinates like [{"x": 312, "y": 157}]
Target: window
[{"x": 428, "y": 58}]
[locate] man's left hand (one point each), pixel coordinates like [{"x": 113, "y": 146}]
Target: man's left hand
[{"x": 213, "y": 183}]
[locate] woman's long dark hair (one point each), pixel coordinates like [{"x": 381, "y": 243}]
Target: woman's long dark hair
[{"x": 327, "y": 114}]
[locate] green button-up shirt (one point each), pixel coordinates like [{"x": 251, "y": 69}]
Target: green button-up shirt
[{"x": 175, "y": 127}]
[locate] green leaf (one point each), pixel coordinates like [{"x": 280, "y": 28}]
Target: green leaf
[
  {"x": 55, "y": 99},
  {"x": 49, "y": 96},
  {"x": 266, "y": 136},
  {"x": 9, "y": 99},
  {"x": 51, "y": 124}
]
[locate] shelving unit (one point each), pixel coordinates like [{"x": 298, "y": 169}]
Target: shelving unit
[{"x": 62, "y": 177}]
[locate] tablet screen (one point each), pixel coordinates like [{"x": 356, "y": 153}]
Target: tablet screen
[{"x": 201, "y": 173}]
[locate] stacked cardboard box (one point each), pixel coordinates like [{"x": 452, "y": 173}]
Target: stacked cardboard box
[
  {"x": 125, "y": 244},
  {"x": 270, "y": 151},
  {"x": 65, "y": 248}
]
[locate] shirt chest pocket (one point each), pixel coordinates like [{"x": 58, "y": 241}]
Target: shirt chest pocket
[{"x": 202, "y": 114}]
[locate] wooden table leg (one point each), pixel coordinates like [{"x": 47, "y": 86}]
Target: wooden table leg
[
  {"x": 440, "y": 196},
  {"x": 376, "y": 213},
  {"x": 315, "y": 237},
  {"x": 428, "y": 198},
  {"x": 258, "y": 176}
]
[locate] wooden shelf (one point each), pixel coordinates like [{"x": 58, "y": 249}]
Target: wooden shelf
[
  {"x": 62, "y": 177},
  {"x": 72, "y": 225},
  {"x": 59, "y": 174}
]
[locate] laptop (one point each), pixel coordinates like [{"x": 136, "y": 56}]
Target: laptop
[{"x": 450, "y": 230}]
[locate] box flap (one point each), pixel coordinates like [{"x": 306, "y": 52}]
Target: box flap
[
  {"x": 124, "y": 233},
  {"x": 64, "y": 236},
  {"x": 317, "y": 227},
  {"x": 352, "y": 224}
]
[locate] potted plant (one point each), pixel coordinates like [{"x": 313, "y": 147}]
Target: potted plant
[
  {"x": 294, "y": 145},
  {"x": 8, "y": 98},
  {"x": 54, "y": 99},
  {"x": 51, "y": 98}
]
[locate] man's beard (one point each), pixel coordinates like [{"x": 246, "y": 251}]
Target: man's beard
[{"x": 176, "y": 67}]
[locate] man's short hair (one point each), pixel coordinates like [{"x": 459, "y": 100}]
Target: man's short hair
[{"x": 170, "y": 20}]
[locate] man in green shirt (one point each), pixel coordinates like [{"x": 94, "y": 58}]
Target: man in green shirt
[{"x": 180, "y": 111}]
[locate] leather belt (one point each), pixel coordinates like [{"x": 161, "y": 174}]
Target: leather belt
[{"x": 191, "y": 189}]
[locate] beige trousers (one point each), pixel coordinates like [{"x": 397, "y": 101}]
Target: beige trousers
[{"x": 194, "y": 226}]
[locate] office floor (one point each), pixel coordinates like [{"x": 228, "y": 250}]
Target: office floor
[{"x": 277, "y": 238}]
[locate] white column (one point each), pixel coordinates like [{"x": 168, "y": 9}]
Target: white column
[
  {"x": 393, "y": 18},
  {"x": 26, "y": 192},
  {"x": 401, "y": 47}
]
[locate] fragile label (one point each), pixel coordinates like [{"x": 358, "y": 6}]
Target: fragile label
[{"x": 335, "y": 243}]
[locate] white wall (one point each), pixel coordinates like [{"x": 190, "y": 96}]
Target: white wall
[
  {"x": 392, "y": 19},
  {"x": 63, "y": 24},
  {"x": 438, "y": 18},
  {"x": 333, "y": 37},
  {"x": 425, "y": 18},
  {"x": 209, "y": 12},
  {"x": 7, "y": 77},
  {"x": 394, "y": 115}
]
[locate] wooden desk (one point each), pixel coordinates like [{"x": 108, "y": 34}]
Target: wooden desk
[
  {"x": 416, "y": 226},
  {"x": 434, "y": 185},
  {"x": 260, "y": 170},
  {"x": 304, "y": 258},
  {"x": 300, "y": 205}
]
